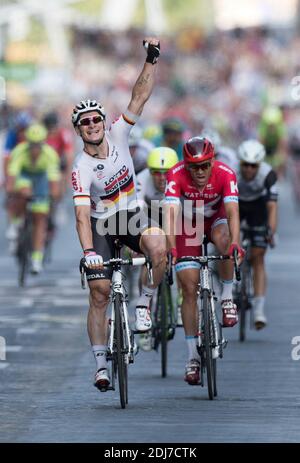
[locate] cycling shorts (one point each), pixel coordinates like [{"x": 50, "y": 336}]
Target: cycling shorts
[
  {"x": 128, "y": 227},
  {"x": 185, "y": 248},
  {"x": 255, "y": 214},
  {"x": 39, "y": 185}
]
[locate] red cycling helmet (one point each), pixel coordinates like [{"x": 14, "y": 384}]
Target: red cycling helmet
[{"x": 197, "y": 149}]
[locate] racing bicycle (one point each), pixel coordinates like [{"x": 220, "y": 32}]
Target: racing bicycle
[
  {"x": 210, "y": 343},
  {"x": 121, "y": 345}
]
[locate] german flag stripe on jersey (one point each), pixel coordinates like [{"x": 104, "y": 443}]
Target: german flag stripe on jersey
[
  {"x": 82, "y": 200},
  {"x": 125, "y": 188}
]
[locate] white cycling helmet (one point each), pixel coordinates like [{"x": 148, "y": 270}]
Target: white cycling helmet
[
  {"x": 213, "y": 136},
  {"x": 251, "y": 151},
  {"x": 86, "y": 107}
]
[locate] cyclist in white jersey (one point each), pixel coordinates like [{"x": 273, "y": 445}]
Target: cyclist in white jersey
[
  {"x": 104, "y": 190},
  {"x": 151, "y": 185},
  {"x": 258, "y": 209}
]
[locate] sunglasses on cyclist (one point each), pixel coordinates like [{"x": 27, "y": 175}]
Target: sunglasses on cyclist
[
  {"x": 88, "y": 120},
  {"x": 158, "y": 172},
  {"x": 248, "y": 164},
  {"x": 204, "y": 166}
]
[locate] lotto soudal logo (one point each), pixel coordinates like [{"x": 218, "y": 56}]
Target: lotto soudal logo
[{"x": 113, "y": 178}]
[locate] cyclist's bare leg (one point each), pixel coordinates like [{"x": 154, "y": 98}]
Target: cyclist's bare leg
[
  {"x": 97, "y": 321},
  {"x": 257, "y": 258},
  {"x": 19, "y": 202},
  {"x": 154, "y": 245},
  {"x": 221, "y": 239},
  {"x": 97, "y": 325},
  {"x": 189, "y": 280},
  {"x": 39, "y": 230},
  {"x": 259, "y": 284}
]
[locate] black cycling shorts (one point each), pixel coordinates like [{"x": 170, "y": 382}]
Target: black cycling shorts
[
  {"x": 127, "y": 226},
  {"x": 255, "y": 214}
]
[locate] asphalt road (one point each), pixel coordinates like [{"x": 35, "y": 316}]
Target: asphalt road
[{"x": 46, "y": 389}]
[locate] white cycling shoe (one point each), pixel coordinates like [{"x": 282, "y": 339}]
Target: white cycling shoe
[
  {"x": 12, "y": 232},
  {"x": 102, "y": 379},
  {"x": 260, "y": 320},
  {"x": 142, "y": 318},
  {"x": 36, "y": 266}
]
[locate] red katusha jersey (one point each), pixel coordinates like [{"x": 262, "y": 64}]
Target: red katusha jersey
[{"x": 221, "y": 188}]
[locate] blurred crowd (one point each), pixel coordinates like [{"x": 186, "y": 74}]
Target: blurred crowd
[{"x": 222, "y": 81}]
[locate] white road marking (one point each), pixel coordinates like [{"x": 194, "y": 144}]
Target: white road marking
[
  {"x": 26, "y": 330},
  {"x": 26, "y": 302},
  {"x": 12, "y": 320},
  {"x": 73, "y": 302},
  {"x": 58, "y": 318},
  {"x": 13, "y": 348}
]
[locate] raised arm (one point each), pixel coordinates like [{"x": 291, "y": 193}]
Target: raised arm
[{"x": 144, "y": 85}]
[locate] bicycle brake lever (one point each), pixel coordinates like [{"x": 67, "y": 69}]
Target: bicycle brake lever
[
  {"x": 82, "y": 273},
  {"x": 236, "y": 266}
]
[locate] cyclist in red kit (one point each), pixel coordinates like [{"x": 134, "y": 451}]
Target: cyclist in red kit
[{"x": 199, "y": 187}]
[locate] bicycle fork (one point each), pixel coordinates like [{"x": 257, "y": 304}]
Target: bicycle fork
[
  {"x": 217, "y": 343},
  {"x": 118, "y": 288}
]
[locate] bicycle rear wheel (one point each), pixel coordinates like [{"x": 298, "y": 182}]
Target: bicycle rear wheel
[
  {"x": 207, "y": 333},
  {"x": 162, "y": 319},
  {"x": 120, "y": 352},
  {"x": 243, "y": 301}
]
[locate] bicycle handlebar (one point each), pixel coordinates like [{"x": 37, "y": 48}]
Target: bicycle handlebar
[
  {"x": 236, "y": 266},
  {"x": 118, "y": 262},
  {"x": 206, "y": 259}
]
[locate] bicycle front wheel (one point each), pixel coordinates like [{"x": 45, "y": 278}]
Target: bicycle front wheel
[
  {"x": 243, "y": 300},
  {"x": 208, "y": 340},
  {"x": 120, "y": 352}
]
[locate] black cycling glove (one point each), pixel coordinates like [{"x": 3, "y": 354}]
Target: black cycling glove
[{"x": 153, "y": 52}]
